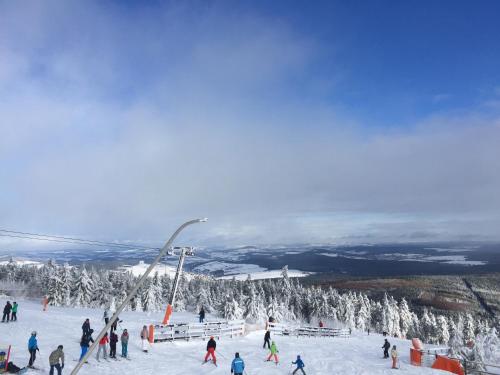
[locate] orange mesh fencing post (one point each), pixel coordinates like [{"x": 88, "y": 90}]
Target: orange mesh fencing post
[
  {"x": 45, "y": 303},
  {"x": 448, "y": 364},
  {"x": 415, "y": 357},
  {"x": 151, "y": 334},
  {"x": 168, "y": 313}
]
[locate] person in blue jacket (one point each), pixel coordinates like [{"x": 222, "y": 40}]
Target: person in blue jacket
[
  {"x": 300, "y": 365},
  {"x": 238, "y": 366},
  {"x": 32, "y": 348}
]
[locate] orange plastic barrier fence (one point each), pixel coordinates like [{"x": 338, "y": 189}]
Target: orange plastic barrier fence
[
  {"x": 448, "y": 364},
  {"x": 151, "y": 334},
  {"x": 415, "y": 357},
  {"x": 417, "y": 344}
]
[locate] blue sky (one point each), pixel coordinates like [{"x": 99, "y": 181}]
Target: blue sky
[{"x": 281, "y": 121}]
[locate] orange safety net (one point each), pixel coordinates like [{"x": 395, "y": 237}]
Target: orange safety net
[
  {"x": 448, "y": 364},
  {"x": 151, "y": 334},
  {"x": 415, "y": 357}
]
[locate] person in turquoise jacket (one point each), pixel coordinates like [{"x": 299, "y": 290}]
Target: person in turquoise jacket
[
  {"x": 32, "y": 348},
  {"x": 238, "y": 366},
  {"x": 300, "y": 365}
]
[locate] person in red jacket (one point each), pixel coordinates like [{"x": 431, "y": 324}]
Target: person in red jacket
[
  {"x": 211, "y": 345},
  {"x": 102, "y": 346}
]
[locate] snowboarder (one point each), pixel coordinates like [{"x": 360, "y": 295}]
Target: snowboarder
[
  {"x": 85, "y": 343},
  {"x": 202, "y": 314},
  {"x": 32, "y": 348},
  {"x": 86, "y": 326},
  {"x": 386, "y": 347},
  {"x": 54, "y": 358},
  {"x": 6, "y": 312},
  {"x": 211, "y": 345},
  {"x": 274, "y": 353},
  {"x": 13, "y": 317},
  {"x": 115, "y": 323},
  {"x": 113, "y": 339},
  {"x": 106, "y": 316},
  {"x": 145, "y": 339},
  {"x": 394, "y": 356},
  {"x": 124, "y": 340},
  {"x": 267, "y": 339},
  {"x": 102, "y": 346},
  {"x": 300, "y": 365},
  {"x": 238, "y": 366}
]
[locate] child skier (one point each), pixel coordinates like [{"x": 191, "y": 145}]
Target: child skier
[
  {"x": 211, "y": 345},
  {"x": 85, "y": 342},
  {"x": 14, "y": 312},
  {"x": 386, "y": 347},
  {"x": 394, "y": 356},
  {"x": 32, "y": 348},
  {"x": 300, "y": 365},
  {"x": 102, "y": 346},
  {"x": 124, "y": 340},
  {"x": 113, "y": 339},
  {"x": 274, "y": 353},
  {"x": 54, "y": 358},
  {"x": 267, "y": 339},
  {"x": 145, "y": 339},
  {"x": 237, "y": 366}
]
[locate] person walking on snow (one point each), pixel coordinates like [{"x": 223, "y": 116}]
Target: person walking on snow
[
  {"x": 300, "y": 365},
  {"x": 274, "y": 353},
  {"x": 13, "y": 317},
  {"x": 54, "y": 358},
  {"x": 202, "y": 314},
  {"x": 211, "y": 345},
  {"x": 85, "y": 342},
  {"x": 113, "y": 339},
  {"x": 145, "y": 339},
  {"x": 102, "y": 346},
  {"x": 115, "y": 323},
  {"x": 237, "y": 366},
  {"x": 124, "y": 340},
  {"x": 6, "y": 312},
  {"x": 86, "y": 326},
  {"x": 267, "y": 339},
  {"x": 386, "y": 347},
  {"x": 32, "y": 348},
  {"x": 106, "y": 316},
  {"x": 394, "y": 356}
]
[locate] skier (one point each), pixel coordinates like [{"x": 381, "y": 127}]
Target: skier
[
  {"x": 238, "y": 366},
  {"x": 32, "y": 348},
  {"x": 13, "y": 317},
  {"x": 124, "y": 340},
  {"x": 113, "y": 339},
  {"x": 145, "y": 339},
  {"x": 6, "y": 312},
  {"x": 274, "y": 353},
  {"x": 321, "y": 324},
  {"x": 202, "y": 314},
  {"x": 300, "y": 365},
  {"x": 86, "y": 326},
  {"x": 102, "y": 346},
  {"x": 394, "y": 356},
  {"x": 211, "y": 345},
  {"x": 267, "y": 339},
  {"x": 386, "y": 347},
  {"x": 115, "y": 323},
  {"x": 106, "y": 316},
  {"x": 85, "y": 342},
  {"x": 54, "y": 358}
]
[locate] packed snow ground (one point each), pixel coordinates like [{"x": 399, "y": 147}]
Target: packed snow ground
[{"x": 359, "y": 354}]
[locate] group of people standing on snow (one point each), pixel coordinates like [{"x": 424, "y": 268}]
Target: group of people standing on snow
[{"x": 10, "y": 312}]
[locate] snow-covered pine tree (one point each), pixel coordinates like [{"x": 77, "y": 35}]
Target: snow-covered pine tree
[
  {"x": 442, "y": 333},
  {"x": 232, "y": 310},
  {"x": 84, "y": 289},
  {"x": 405, "y": 318}
]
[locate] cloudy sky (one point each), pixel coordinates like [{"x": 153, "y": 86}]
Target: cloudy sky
[{"x": 282, "y": 123}]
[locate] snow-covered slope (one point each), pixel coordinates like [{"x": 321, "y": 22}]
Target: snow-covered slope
[{"x": 360, "y": 354}]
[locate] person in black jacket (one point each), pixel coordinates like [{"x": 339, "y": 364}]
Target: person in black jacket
[
  {"x": 211, "y": 345},
  {"x": 113, "y": 339},
  {"x": 267, "y": 339},
  {"x": 86, "y": 326},
  {"x": 85, "y": 343},
  {"x": 386, "y": 347},
  {"x": 202, "y": 314},
  {"x": 6, "y": 311}
]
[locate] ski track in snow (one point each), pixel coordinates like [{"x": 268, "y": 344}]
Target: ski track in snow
[{"x": 357, "y": 355}]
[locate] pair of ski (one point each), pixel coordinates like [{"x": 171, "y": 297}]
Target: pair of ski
[{"x": 205, "y": 362}]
